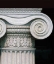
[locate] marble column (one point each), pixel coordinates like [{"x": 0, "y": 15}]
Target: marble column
[{"x": 18, "y": 30}]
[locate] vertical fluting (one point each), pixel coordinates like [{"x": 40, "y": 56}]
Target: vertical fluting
[
  {"x": 25, "y": 57},
  {"x": 15, "y": 57},
  {"x": 2, "y": 55},
  {"x": 5, "y": 57},
  {"x": 20, "y": 57},
  {"x": 33, "y": 57},
  {"x": 28, "y": 57},
  {"x": 9, "y": 57}
]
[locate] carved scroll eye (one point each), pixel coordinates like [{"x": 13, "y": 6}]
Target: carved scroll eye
[
  {"x": 2, "y": 28},
  {"x": 41, "y": 28}
]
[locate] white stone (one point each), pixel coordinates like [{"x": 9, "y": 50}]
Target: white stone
[
  {"x": 41, "y": 27},
  {"x": 2, "y": 28},
  {"x": 17, "y": 46},
  {"x": 18, "y": 16}
]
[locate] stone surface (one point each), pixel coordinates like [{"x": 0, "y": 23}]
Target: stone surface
[
  {"x": 41, "y": 27},
  {"x": 2, "y": 28},
  {"x": 22, "y": 26}
]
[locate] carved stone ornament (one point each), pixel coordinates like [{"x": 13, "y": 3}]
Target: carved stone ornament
[
  {"x": 22, "y": 26},
  {"x": 2, "y": 28},
  {"x": 41, "y": 27},
  {"x": 17, "y": 16}
]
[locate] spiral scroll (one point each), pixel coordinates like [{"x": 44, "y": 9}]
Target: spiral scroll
[
  {"x": 2, "y": 28},
  {"x": 40, "y": 28}
]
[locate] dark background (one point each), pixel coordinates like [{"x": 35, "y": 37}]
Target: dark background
[
  {"x": 27, "y": 3},
  {"x": 44, "y": 48}
]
